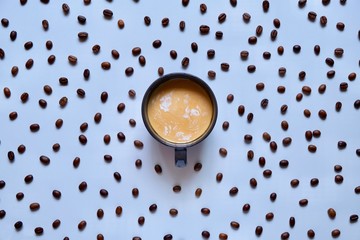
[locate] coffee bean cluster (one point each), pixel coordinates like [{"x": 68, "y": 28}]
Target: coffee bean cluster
[{"x": 111, "y": 122}]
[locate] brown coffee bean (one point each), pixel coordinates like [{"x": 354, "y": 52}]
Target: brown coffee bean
[
  {"x": 285, "y": 236},
  {"x": 205, "y": 211},
  {"x": 80, "y": 92},
  {"x": 273, "y": 146},
  {"x": 45, "y": 24},
  {"x": 260, "y": 86},
  {"x": 258, "y": 230},
  {"x": 250, "y": 117},
  {"x": 161, "y": 71},
  {"x": 284, "y": 163},
  {"x": 29, "y": 63},
  {"x": 246, "y": 208},
  {"x": 294, "y": 183},
  {"x": 63, "y": 102},
  {"x": 13, "y": 35},
  {"x": 341, "y": 145},
  {"x": 235, "y": 225},
  {"x": 5, "y": 22},
  {"x": 34, "y": 127},
  {"x": 147, "y": 20},
  {"x": 317, "y": 49},
  {"x": 264, "y": 103},
  {"x": 323, "y": 21},
  {"x": 156, "y": 43},
  {"x": 343, "y": 86},
  {"x": 322, "y": 88},
  {"x": 262, "y": 161},
  {"x": 331, "y": 213},
  {"x": 96, "y": 49},
  {"x": 225, "y": 67},
  {"x": 165, "y": 22},
  {"x": 337, "y": 168},
  {"x": 121, "y": 23},
  {"x": 185, "y": 2},
  {"x": 223, "y": 236},
  {"x": 104, "y": 193},
  {"x": 83, "y": 139},
  {"x": 56, "y": 194},
  {"x": 219, "y": 177},
  {"x": 64, "y": 81},
  {"x": 302, "y": 75},
  {"x": 223, "y": 152},
  {"x": 253, "y": 182},
  {"x": 311, "y": 233},
  {"x": 34, "y": 206},
  {"x": 357, "y": 104},
  {"x": 241, "y": 110},
  {"x": 108, "y": 14},
  {"x": 338, "y": 52},
  {"x": 153, "y": 208},
  {"x": 266, "y": 136},
  {"x": 269, "y": 216},
  {"x": 276, "y": 23},
  {"x": 141, "y": 220},
  {"x": 138, "y": 144},
  {"x": 21, "y": 148},
  {"x": 322, "y": 114},
  {"x": 252, "y": 40},
  {"x": 44, "y": 160},
  {"x": 18, "y": 225},
  {"x": 353, "y": 218},
  {"x": 280, "y": 50},
  {"x": 329, "y": 61},
  {"x": 233, "y": 191},
  {"x": 2, "y": 213},
  {"x": 330, "y": 74},
  {"x": 28, "y": 178},
  {"x": 14, "y": 71},
  {"x": 306, "y": 90},
  {"x": 282, "y": 71},
  {"x": 118, "y": 210},
  {"x": 352, "y": 76},
  {"x": 222, "y": 17},
  {"x": 142, "y": 60},
  {"x": 28, "y": 45},
  {"x": 312, "y": 16},
  {"x": 197, "y": 167},
  {"x": 51, "y": 59},
  {"x": 173, "y": 212},
  {"x": 307, "y": 113},
  {"x": 82, "y": 225},
  {"x": 281, "y": 89},
  {"x": 204, "y": 29},
  {"x": 86, "y": 73},
  {"x": 206, "y": 234},
  {"x": 136, "y": 51},
  {"x": 286, "y": 141},
  {"x": 83, "y": 36},
  {"x": 121, "y": 136},
  {"x": 82, "y": 186},
  {"x": 266, "y": 55},
  {"x": 198, "y": 192},
  {"x": 267, "y": 173},
  {"x": 246, "y": 17},
  {"x": 11, "y": 156},
  {"x": 106, "y": 65},
  {"x": 211, "y": 53},
  {"x": 58, "y": 123},
  {"x": 273, "y": 34},
  {"x": 308, "y": 135},
  {"x": 65, "y": 8},
  {"x": 132, "y": 122},
  {"x": 251, "y": 68},
  {"x": 303, "y": 202},
  {"x": 338, "y": 179},
  {"x": 117, "y": 176},
  {"x": 38, "y": 230},
  {"x": 49, "y": 45},
  {"x": 13, "y": 115},
  {"x": 291, "y": 222},
  {"x": 312, "y": 148},
  {"x": 182, "y": 25},
  {"x": 250, "y": 155},
  {"x": 7, "y": 92},
  {"x": 335, "y": 233},
  {"x": 244, "y": 54},
  {"x": 203, "y": 8},
  {"x": 283, "y": 108},
  {"x": 97, "y": 117},
  {"x": 340, "y": 26},
  {"x": 265, "y": 5}
]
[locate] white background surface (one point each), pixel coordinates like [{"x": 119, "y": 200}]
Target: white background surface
[{"x": 75, "y": 206}]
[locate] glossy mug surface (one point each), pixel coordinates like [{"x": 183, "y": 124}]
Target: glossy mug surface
[{"x": 179, "y": 110}]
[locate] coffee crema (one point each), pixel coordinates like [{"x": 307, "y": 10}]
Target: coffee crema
[{"x": 180, "y": 110}]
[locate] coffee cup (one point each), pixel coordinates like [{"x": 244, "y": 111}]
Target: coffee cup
[{"x": 179, "y": 110}]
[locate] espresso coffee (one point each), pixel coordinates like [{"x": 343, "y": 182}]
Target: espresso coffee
[{"x": 180, "y": 110}]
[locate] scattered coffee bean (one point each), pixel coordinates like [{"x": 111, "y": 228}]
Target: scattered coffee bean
[
  {"x": 282, "y": 71},
  {"x": 206, "y": 234},
  {"x": 106, "y": 65},
  {"x": 223, "y": 236},
  {"x": 104, "y": 193},
  {"x": 28, "y": 45},
  {"x": 322, "y": 114},
  {"x": 83, "y": 139},
  {"x": 269, "y": 216},
  {"x": 357, "y": 104},
  {"x": 211, "y": 53},
  {"x": 182, "y": 25},
  {"x": 58, "y": 123},
  {"x": 165, "y": 22},
  {"x": 49, "y": 45},
  {"x": 306, "y": 90},
  {"x": 86, "y": 73},
  {"x": 322, "y": 88},
  {"x": 14, "y": 71},
  {"x": 28, "y": 178},
  {"x": 352, "y": 76},
  {"x": 223, "y": 152},
  {"x": 117, "y": 176},
  {"x": 34, "y": 206},
  {"x": 13, "y": 115},
  {"x": 138, "y": 144},
  {"x": 330, "y": 74},
  {"x": 258, "y": 230},
  {"x": 340, "y": 26},
  {"x": 161, "y": 71},
  {"x": 312, "y": 16},
  {"x": 284, "y": 163},
  {"x": 262, "y": 161},
  {"x": 244, "y": 54},
  {"x": 353, "y": 218},
  {"x": 147, "y": 20},
  {"x": 45, "y": 24},
  {"x": 323, "y": 21},
  {"x": 222, "y": 17},
  {"x": 198, "y": 192},
  {"x": 266, "y": 55},
  {"x": 252, "y": 40},
  {"x": 83, "y": 36},
  {"x": 338, "y": 179},
  {"x": 29, "y": 63},
  {"x": 265, "y": 5},
  {"x": 81, "y": 19},
  {"x": 219, "y": 177},
  {"x": 107, "y": 139},
  {"x": 225, "y": 67},
  {"x": 82, "y": 225},
  {"x": 97, "y": 117},
  {"x": 235, "y": 225},
  {"x": 204, "y": 29},
  {"x": 96, "y": 49},
  {"x": 267, "y": 173},
  {"x": 5, "y": 22},
  {"x": 39, "y": 230},
  {"x": 343, "y": 86},
  {"x": 11, "y": 156},
  {"x": 121, "y": 136},
  {"x": 331, "y": 213},
  {"x": 56, "y": 194},
  {"x": 121, "y": 23},
  {"x": 307, "y": 113},
  {"x": 335, "y": 233},
  {"x": 13, "y": 35},
  {"x": 185, "y": 2},
  {"x": 65, "y": 8},
  {"x": 51, "y": 59},
  {"x": 253, "y": 182},
  {"x": 18, "y": 225},
  {"x": 173, "y": 54},
  {"x": 317, "y": 49},
  {"x": 296, "y": 48},
  {"x": 197, "y": 167},
  {"x": 205, "y": 211},
  {"x": 108, "y": 14},
  {"x": 246, "y": 17},
  {"x": 233, "y": 191},
  {"x": 63, "y": 81},
  {"x": 203, "y": 8},
  {"x": 173, "y": 212},
  {"x": 341, "y": 145},
  {"x": 44, "y": 160},
  {"x": 280, "y": 50},
  {"x": 177, "y": 188},
  {"x": 303, "y": 202},
  {"x": 219, "y": 35},
  {"x": 251, "y": 68},
  {"x": 273, "y": 146},
  {"x": 338, "y": 52},
  {"x": 273, "y": 34},
  {"x": 302, "y": 75},
  {"x": 285, "y": 236},
  {"x": 156, "y": 43},
  {"x": 80, "y": 92},
  {"x": 250, "y": 117},
  {"x": 250, "y": 154}
]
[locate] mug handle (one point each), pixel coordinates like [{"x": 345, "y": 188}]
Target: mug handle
[{"x": 180, "y": 157}]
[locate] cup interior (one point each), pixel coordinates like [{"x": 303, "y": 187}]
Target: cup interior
[{"x": 178, "y": 77}]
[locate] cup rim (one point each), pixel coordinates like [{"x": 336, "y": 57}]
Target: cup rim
[{"x": 172, "y": 76}]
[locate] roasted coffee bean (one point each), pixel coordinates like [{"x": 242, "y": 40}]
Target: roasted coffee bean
[
  {"x": 219, "y": 35},
  {"x": 266, "y": 55},
  {"x": 28, "y": 178},
  {"x": 330, "y": 74},
  {"x": 121, "y": 106},
  {"x": 182, "y": 25},
  {"x": 173, "y": 54},
  {"x": 316, "y": 133},
  {"x": 5, "y": 22},
  {"x": 63, "y": 102},
  {"x": 357, "y": 104},
  {"x": 325, "y": 2},
  {"x": 28, "y": 45},
  {"x": 205, "y": 211},
  {"x": 281, "y": 89},
  {"x": 97, "y": 117},
  {"x": 235, "y": 225},
  {"x": 294, "y": 183},
  {"x": 308, "y": 135},
  {"x": 230, "y": 98},
  {"x": 258, "y": 230},
  {"x": 225, "y": 66},
  {"x": 358, "y": 152},
  {"x": 266, "y": 136},
  {"x": 121, "y": 23},
  {"x": 302, "y": 75},
  {"x": 335, "y": 233},
  {"x": 198, "y": 192},
  {"x": 312, "y": 16},
  {"x": 121, "y": 136},
  {"x": 147, "y": 20},
  {"x": 252, "y": 40},
  {"x": 303, "y": 202},
  {"x": 13, "y": 35},
  {"x": 222, "y": 17},
  {"x": 136, "y": 51},
  {"x": 203, "y": 8},
  {"x": 29, "y": 63},
  {"x": 322, "y": 114},
  {"x": 82, "y": 139},
  {"x": 96, "y": 48},
  {"x": 86, "y": 73},
  {"x": 244, "y": 54},
  {"x": 83, "y": 36},
  {"x": 284, "y": 163},
  {"x": 296, "y": 48},
  {"x": 204, "y": 29},
  {"x": 285, "y": 236},
  {"x": 104, "y": 193},
  {"x": 306, "y": 90},
  {"x": 211, "y": 53},
  {"x": 45, "y": 24},
  {"x": 2, "y": 53},
  {"x": 273, "y": 146},
  {"x": 223, "y": 152},
  {"x": 353, "y": 218},
  {"x": 341, "y": 145},
  {"x": 51, "y": 59},
  {"x": 2, "y": 213},
  {"x": 18, "y": 225},
  {"x": 338, "y": 179},
  {"x": 323, "y": 21},
  {"x": 185, "y": 2},
  {"x": 49, "y": 45},
  {"x": 11, "y": 156},
  {"x": 282, "y": 71},
  {"x": 141, "y": 220},
  {"x": 197, "y": 167},
  {"x": 185, "y": 62},
  {"x": 267, "y": 173},
  {"x": 352, "y": 76},
  {"x": 331, "y": 213},
  {"x": 63, "y": 81},
  {"x": 160, "y": 71},
  {"x": 108, "y": 14},
  {"x": 223, "y": 236},
  {"x": 246, "y": 208},
  {"x": 44, "y": 160},
  {"x": 34, "y": 206},
  {"x": 177, "y": 188},
  {"x": 117, "y": 176},
  {"x": 253, "y": 182},
  {"x": 173, "y": 212},
  {"x": 107, "y": 139},
  {"x": 58, "y": 123},
  {"x": 233, "y": 191},
  {"x": 342, "y": 2},
  {"x": 206, "y": 234},
  {"x": 250, "y": 117},
  {"x": 284, "y": 125},
  {"x": 291, "y": 222},
  {"x": 262, "y": 161},
  {"x": 104, "y": 97},
  {"x": 14, "y": 71},
  {"x": 82, "y": 186},
  {"x": 156, "y": 43},
  {"x": 273, "y": 34},
  {"x": 241, "y": 110},
  {"x": 265, "y": 5},
  {"x": 80, "y": 92},
  {"x": 340, "y": 26},
  {"x": 317, "y": 49},
  {"x": 21, "y": 148},
  {"x": 246, "y": 17},
  {"x": 165, "y": 22},
  {"x": 82, "y": 225},
  {"x": 65, "y": 8},
  {"x": 34, "y": 127},
  {"x": 343, "y": 86},
  {"x": 312, "y": 148},
  {"x": 153, "y": 208},
  {"x": 142, "y": 60},
  {"x": 106, "y": 65},
  {"x": 138, "y": 144},
  {"x": 269, "y": 216},
  {"x": 39, "y": 230},
  {"x": 13, "y": 115},
  {"x": 276, "y": 23},
  {"x": 81, "y": 19},
  {"x": 76, "y": 162},
  {"x": 283, "y": 108},
  {"x": 219, "y": 177},
  {"x": 337, "y": 168},
  {"x": 307, "y": 113},
  {"x": 264, "y": 103},
  {"x": 118, "y": 210},
  {"x": 280, "y": 50},
  {"x": 250, "y": 153},
  {"x": 251, "y": 68},
  {"x": 322, "y": 88},
  {"x": 311, "y": 233},
  {"x": 194, "y": 47},
  {"x": 260, "y": 86},
  {"x": 56, "y": 194},
  {"x": 338, "y": 52}
]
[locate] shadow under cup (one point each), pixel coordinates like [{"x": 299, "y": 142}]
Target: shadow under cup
[{"x": 179, "y": 110}]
